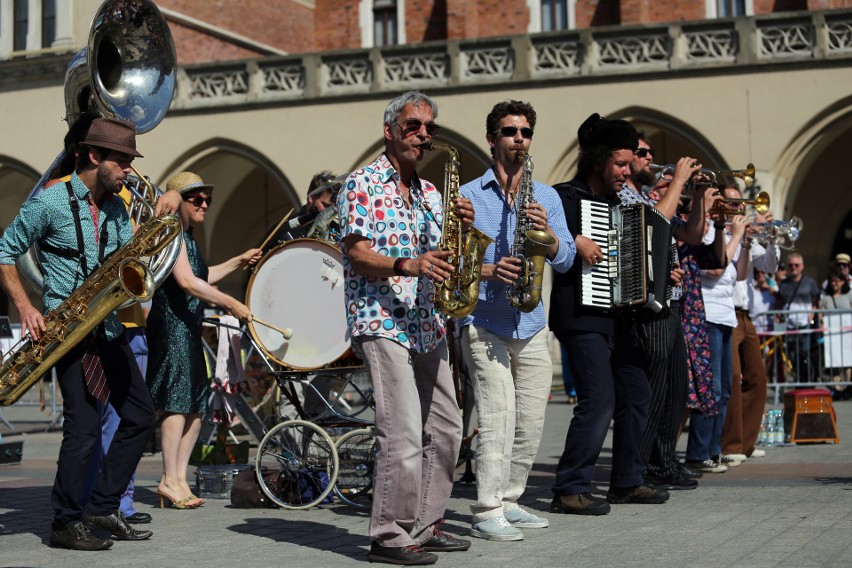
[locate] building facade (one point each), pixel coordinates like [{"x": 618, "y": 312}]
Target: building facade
[{"x": 270, "y": 93}]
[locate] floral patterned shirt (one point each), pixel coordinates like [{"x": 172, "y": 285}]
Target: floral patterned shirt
[{"x": 399, "y": 308}]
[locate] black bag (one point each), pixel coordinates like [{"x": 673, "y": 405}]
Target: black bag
[{"x": 246, "y": 492}]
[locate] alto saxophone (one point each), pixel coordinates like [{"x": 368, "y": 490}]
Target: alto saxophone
[
  {"x": 457, "y": 295},
  {"x": 530, "y": 245},
  {"x": 123, "y": 276}
]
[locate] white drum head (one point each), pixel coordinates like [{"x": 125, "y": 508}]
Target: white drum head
[{"x": 299, "y": 285}]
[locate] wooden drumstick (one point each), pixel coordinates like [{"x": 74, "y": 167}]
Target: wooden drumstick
[
  {"x": 272, "y": 234},
  {"x": 286, "y": 332}
]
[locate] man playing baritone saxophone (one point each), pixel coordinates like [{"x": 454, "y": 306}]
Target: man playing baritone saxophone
[
  {"x": 390, "y": 223},
  {"x": 506, "y": 349},
  {"x": 102, "y": 225}
]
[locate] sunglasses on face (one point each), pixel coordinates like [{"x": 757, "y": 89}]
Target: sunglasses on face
[
  {"x": 199, "y": 198},
  {"x": 794, "y": 265},
  {"x": 843, "y": 264},
  {"x": 413, "y": 126},
  {"x": 644, "y": 152},
  {"x": 526, "y": 132}
]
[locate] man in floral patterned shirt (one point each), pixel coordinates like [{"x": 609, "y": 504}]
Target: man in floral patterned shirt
[{"x": 390, "y": 224}]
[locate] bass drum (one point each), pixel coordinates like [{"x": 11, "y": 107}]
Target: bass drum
[{"x": 299, "y": 285}]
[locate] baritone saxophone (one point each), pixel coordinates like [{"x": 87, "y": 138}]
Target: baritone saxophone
[
  {"x": 123, "y": 277},
  {"x": 530, "y": 245},
  {"x": 457, "y": 295}
]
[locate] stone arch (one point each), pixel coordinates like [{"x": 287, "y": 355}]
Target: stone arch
[
  {"x": 810, "y": 181},
  {"x": 252, "y": 195},
  {"x": 670, "y": 137}
]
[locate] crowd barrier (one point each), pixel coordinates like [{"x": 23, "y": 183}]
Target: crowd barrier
[{"x": 806, "y": 349}]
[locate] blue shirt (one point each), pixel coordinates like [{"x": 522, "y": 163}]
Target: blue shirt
[
  {"x": 47, "y": 218},
  {"x": 496, "y": 219}
]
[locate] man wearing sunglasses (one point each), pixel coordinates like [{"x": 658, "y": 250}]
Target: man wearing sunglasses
[
  {"x": 390, "y": 222},
  {"x": 505, "y": 349}
]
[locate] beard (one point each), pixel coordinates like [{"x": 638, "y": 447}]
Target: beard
[
  {"x": 643, "y": 177},
  {"x": 106, "y": 180}
]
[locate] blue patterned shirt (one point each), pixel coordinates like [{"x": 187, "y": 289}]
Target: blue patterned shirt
[
  {"x": 496, "y": 219},
  {"x": 47, "y": 218},
  {"x": 399, "y": 308}
]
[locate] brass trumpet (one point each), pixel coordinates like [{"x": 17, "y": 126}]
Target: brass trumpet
[
  {"x": 746, "y": 174},
  {"x": 734, "y": 206}
]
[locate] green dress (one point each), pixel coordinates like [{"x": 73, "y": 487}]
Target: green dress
[{"x": 177, "y": 373}]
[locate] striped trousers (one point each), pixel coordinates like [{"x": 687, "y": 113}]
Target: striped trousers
[{"x": 664, "y": 350}]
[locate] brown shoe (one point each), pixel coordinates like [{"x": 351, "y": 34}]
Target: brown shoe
[
  {"x": 579, "y": 504},
  {"x": 640, "y": 495},
  {"x": 403, "y": 555}
]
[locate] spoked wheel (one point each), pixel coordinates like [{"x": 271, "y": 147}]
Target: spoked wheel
[
  {"x": 356, "y": 451},
  {"x": 296, "y": 464}
]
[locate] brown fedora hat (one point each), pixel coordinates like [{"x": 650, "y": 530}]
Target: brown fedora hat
[
  {"x": 187, "y": 181},
  {"x": 113, "y": 134}
]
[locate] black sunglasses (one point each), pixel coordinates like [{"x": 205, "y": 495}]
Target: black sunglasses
[
  {"x": 199, "y": 198},
  {"x": 412, "y": 126},
  {"x": 526, "y": 132},
  {"x": 643, "y": 152}
]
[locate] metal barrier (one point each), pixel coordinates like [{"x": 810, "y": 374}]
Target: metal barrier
[{"x": 806, "y": 348}]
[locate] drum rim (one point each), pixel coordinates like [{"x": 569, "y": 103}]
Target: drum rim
[{"x": 250, "y": 325}]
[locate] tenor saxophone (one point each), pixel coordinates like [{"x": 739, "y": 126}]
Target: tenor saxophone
[
  {"x": 123, "y": 276},
  {"x": 457, "y": 295},
  {"x": 530, "y": 245}
]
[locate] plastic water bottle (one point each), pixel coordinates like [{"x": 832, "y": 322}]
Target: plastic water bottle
[
  {"x": 763, "y": 437},
  {"x": 770, "y": 429},
  {"x": 780, "y": 437}
]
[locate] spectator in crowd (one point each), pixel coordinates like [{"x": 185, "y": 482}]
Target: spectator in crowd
[
  {"x": 764, "y": 301},
  {"x": 840, "y": 264},
  {"x": 799, "y": 295},
  {"x": 837, "y": 296}
]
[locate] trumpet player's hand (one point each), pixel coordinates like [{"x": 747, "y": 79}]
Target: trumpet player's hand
[
  {"x": 507, "y": 270},
  {"x": 767, "y": 217},
  {"x": 685, "y": 168},
  {"x": 738, "y": 226},
  {"x": 432, "y": 264},
  {"x": 464, "y": 209},
  {"x": 710, "y": 202},
  {"x": 168, "y": 203},
  {"x": 32, "y": 321},
  {"x": 251, "y": 257},
  {"x": 588, "y": 250},
  {"x": 676, "y": 276},
  {"x": 538, "y": 215}
]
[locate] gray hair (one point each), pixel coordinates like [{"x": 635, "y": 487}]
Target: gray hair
[{"x": 415, "y": 98}]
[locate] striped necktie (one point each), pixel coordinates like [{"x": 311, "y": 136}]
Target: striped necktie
[{"x": 93, "y": 373}]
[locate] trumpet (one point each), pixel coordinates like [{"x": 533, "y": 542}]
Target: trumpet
[
  {"x": 747, "y": 174},
  {"x": 734, "y": 206},
  {"x": 783, "y": 233}
]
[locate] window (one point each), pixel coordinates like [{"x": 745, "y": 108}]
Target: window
[
  {"x": 554, "y": 15},
  {"x": 729, "y": 8},
  {"x": 21, "y": 18},
  {"x": 48, "y": 22},
  {"x": 384, "y": 23}
]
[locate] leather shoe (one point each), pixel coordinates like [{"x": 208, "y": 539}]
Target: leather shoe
[
  {"x": 639, "y": 495},
  {"x": 77, "y": 536},
  {"x": 443, "y": 542},
  {"x": 138, "y": 518},
  {"x": 402, "y": 555},
  {"x": 677, "y": 482},
  {"x": 689, "y": 472},
  {"x": 116, "y": 525},
  {"x": 579, "y": 504}
]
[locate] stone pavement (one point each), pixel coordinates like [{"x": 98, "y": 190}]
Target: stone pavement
[{"x": 792, "y": 508}]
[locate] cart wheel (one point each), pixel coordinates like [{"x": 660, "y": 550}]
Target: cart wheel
[
  {"x": 356, "y": 451},
  {"x": 296, "y": 464}
]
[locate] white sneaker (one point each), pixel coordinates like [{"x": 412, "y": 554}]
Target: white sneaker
[
  {"x": 496, "y": 528},
  {"x": 707, "y": 466},
  {"x": 729, "y": 460},
  {"x": 523, "y": 519},
  {"x": 758, "y": 453}
]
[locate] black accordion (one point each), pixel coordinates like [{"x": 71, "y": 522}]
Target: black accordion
[{"x": 637, "y": 247}]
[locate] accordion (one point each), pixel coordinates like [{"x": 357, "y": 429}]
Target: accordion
[{"x": 637, "y": 247}]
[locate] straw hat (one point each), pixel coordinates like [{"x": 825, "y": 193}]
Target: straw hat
[
  {"x": 842, "y": 258},
  {"x": 187, "y": 181}
]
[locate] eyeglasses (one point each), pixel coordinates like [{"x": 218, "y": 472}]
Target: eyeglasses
[
  {"x": 643, "y": 152},
  {"x": 526, "y": 132},
  {"x": 843, "y": 264},
  {"x": 199, "y": 198},
  {"x": 413, "y": 126},
  {"x": 794, "y": 265}
]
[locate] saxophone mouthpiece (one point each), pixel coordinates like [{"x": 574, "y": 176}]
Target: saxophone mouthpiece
[{"x": 427, "y": 146}]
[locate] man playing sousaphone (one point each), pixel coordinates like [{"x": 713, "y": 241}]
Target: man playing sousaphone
[{"x": 78, "y": 225}]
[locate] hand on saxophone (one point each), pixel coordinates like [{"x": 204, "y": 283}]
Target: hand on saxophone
[
  {"x": 464, "y": 209},
  {"x": 538, "y": 215},
  {"x": 507, "y": 270},
  {"x": 32, "y": 321},
  {"x": 431, "y": 264}
]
